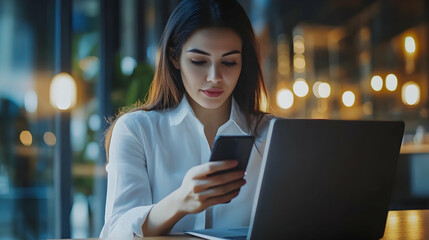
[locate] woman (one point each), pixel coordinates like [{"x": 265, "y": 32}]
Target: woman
[{"x": 208, "y": 82}]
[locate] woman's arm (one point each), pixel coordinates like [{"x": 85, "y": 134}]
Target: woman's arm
[
  {"x": 199, "y": 190},
  {"x": 129, "y": 194}
]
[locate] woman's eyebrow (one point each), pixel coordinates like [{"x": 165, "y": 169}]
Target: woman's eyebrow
[
  {"x": 194, "y": 50},
  {"x": 231, "y": 52}
]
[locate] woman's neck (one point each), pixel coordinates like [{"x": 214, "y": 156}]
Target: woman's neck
[{"x": 211, "y": 119}]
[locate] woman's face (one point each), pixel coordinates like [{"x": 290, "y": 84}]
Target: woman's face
[{"x": 210, "y": 64}]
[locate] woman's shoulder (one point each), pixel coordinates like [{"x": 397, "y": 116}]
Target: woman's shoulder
[{"x": 141, "y": 118}]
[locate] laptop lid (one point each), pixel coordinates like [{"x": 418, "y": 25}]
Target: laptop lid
[{"x": 326, "y": 179}]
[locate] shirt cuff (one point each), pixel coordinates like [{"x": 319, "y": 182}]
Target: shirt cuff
[{"x": 128, "y": 224}]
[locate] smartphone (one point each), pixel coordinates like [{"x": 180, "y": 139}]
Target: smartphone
[{"x": 232, "y": 148}]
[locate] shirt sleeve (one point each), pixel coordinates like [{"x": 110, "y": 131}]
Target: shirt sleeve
[{"x": 129, "y": 195}]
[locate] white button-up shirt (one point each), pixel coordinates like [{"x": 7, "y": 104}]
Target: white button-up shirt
[{"x": 150, "y": 153}]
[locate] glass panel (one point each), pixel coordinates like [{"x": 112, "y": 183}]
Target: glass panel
[
  {"x": 27, "y": 137},
  {"x": 85, "y": 118},
  {"x": 370, "y": 62}
]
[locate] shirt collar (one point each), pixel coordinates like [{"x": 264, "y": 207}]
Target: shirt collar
[
  {"x": 180, "y": 112},
  {"x": 237, "y": 118}
]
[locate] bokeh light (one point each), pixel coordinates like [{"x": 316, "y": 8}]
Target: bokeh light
[
  {"x": 410, "y": 93},
  {"x": 300, "y": 87},
  {"x": 391, "y": 82},
  {"x": 324, "y": 90},
  {"x": 299, "y": 63},
  {"x": 63, "y": 91},
  {"x": 298, "y": 45},
  {"x": 127, "y": 65},
  {"x": 348, "y": 98},
  {"x": 285, "y": 98},
  {"x": 30, "y": 101},
  {"x": 49, "y": 138},
  {"x": 376, "y": 83},
  {"x": 26, "y": 138},
  {"x": 410, "y": 44}
]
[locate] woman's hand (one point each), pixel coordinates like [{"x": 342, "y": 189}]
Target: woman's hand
[{"x": 200, "y": 189}]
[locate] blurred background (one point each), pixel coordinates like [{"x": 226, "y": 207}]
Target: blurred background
[{"x": 334, "y": 59}]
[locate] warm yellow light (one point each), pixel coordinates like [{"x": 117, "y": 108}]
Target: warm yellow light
[
  {"x": 264, "y": 103},
  {"x": 324, "y": 90},
  {"x": 88, "y": 63},
  {"x": 283, "y": 65},
  {"x": 348, "y": 98},
  {"x": 367, "y": 108},
  {"x": 285, "y": 98},
  {"x": 410, "y": 93},
  {"x": 63, "y": 91},
  {"x": 49, "y": 138},
  {"x": 316, "y": 89},
  {"x": 393, "y": 218},
  {"x": 391, "y": 82},
  {"x": 413, "y": 217},
  {"x": 300, "y": 87},
  {"x": 376, "y": 83},
  {"x": 410, "y": 44},
  {"x": 299, "y": 63},
  {"x": 298, "y": 45},
  {"x": 26, "y": 138}
]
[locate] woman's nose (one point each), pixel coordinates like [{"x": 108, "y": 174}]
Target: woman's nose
[{"x": 214, "y": 74}]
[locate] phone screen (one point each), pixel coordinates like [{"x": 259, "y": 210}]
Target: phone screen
[{"x": 232, "y": 148}]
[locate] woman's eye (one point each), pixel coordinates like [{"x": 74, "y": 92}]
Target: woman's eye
[
  {"x": 229, "y": 64},
  {"x": 198, "y": 62}
]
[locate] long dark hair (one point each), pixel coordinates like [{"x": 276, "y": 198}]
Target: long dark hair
[{"x": 167, "y": 88}]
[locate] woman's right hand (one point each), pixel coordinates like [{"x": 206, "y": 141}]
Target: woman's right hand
[{"x": 201, "y": 189}]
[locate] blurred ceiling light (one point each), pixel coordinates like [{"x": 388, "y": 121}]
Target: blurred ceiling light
[
  {"x": 324, "y": 90},
  {"x": 298, "y": 38},
  {"x": 49, "y": 138},
  {"x": 63, "y": 91},
  {"x": 316, "y": 89},
  {"x": 410, "y": 93},
  {"x": 30, "y": 101},
  {"x": 348, "y": 98},
  {"x": 391, "y": 82},
  {"x": 300, "y": 87},
  {"x": 299, "y": 63},
  {"x": 376, "y": 83},
  {"x": 298, "y": 46},
  {"x": 410, "y": 44},
  {"x": 283, "y": 65},
  {"x": 282, "y": 48},
  {"x": 26, "y": 138},
  {"x": 127, "y": 65},
  {"x": 285, "y": 98}
]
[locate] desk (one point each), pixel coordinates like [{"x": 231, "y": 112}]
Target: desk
[
  {"x": 407, "y": 224},
  {"x": 403, "y": 225}
]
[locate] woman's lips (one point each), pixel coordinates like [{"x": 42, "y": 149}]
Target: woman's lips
[{"x": 213, "y": 92}]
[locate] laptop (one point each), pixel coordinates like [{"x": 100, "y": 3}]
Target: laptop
[{"x": 322, "y": 179}]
